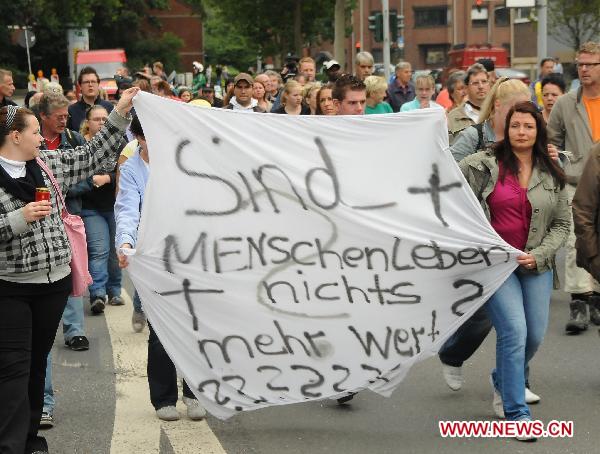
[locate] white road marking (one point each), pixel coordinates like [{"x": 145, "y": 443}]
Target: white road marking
[{"x": 136, "y": 427}]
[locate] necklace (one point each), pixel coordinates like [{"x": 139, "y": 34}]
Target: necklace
[{"x": 50, "y": 143}]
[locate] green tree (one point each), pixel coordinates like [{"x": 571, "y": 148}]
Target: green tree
[
  {"x": 223, "y": 43},
  {"x": 275, "y": 31},
  {"x": 573, "y": 22},
  {"x": 114, "y": 23}
]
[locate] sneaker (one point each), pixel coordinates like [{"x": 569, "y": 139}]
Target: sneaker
[
  {"x": 579, "y": 318},
  {"x": 453, "y": 376},
  {"x": 168, "y": 413},
  {"x": 497, "y": 404},
  {"x": 594, "y": 308},
  {"x": 525, "y": 438},
  {"x": 346, "y": 399},
  {"x": 531, "y": 397},
  {"x": 97, "y": 305},
  {"x": 195, "y": 411},
  {"x": 47, "y": 421},
  {"x": 138, "y": 321},
  {"x": 78, "y": 343},
  {"x": 116, "y": 301}
]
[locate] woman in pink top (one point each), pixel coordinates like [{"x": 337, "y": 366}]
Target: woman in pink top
[{"x": 522, "y": 193}]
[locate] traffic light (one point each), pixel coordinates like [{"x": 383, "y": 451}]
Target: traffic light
[
  {"x": 394, "y": 25},
  {"x": 376, "y": 25}
]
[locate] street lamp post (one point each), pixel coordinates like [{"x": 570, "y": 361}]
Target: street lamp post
[{"x": 386, "y": 38}]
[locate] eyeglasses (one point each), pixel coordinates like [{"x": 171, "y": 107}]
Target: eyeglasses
[
  {"x": 89, "y": 82},
  {"x": 98, "y": 119},
  {"x": 62, "y": 117},
  {"x": 588, "y": 65}
]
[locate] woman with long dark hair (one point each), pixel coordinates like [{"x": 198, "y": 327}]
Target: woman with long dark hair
[
  {"x": 522, "y": 193},
  {"x": 35, "y": 253},
  {"x": 325, "y": 100}
]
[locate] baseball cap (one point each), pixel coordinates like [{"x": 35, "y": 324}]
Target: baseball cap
[
  {"x": 199, "y": 103},
  {"x": 243, "y": 76},
  {"x": 330, "y": 64}
]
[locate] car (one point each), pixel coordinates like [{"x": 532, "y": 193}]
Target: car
[
  {"x": 378, "y": 69},
  {"x": 513, "y": 73},
  {"x": 106, "y": 62}
]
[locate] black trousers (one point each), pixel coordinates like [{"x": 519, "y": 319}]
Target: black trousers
[
  {"x": 162, "y": 375},
  {"x": 466, "y": 340},
  {"x": 29, "y": 317}
]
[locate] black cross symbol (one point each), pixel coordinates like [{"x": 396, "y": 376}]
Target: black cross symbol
[
  {"x": 435, "y": 189},
  {"x": 187, "y": 291}
]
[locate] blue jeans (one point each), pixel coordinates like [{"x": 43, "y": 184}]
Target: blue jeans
[
  {"x": 48, "y": 391},
  {"x": 73, "y": 318},
  {"x": 102, "y": 255},
  {"x": 137, "y": 303},
  {"x": 519, "y": 312}
]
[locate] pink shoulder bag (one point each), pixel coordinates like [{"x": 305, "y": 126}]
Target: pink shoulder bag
[{"x": 76, "y": 233}]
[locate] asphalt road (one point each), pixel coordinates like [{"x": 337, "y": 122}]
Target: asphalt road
[{"x": 564, "y": 373}]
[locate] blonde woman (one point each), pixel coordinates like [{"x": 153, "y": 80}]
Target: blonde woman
[
  {"x": 376, "y": 88},
  {"x": 95, "y": 118},
  {"x": 310, "y": 95},
  {"x": 503, "y": 95},
  {"x": 425, "y": 88},
  {"x": 291, "y": 100}
]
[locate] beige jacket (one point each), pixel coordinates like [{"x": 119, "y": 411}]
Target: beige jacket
[
  {"x": 569, "y": 129},
  {"x": 457, "y": 121}
]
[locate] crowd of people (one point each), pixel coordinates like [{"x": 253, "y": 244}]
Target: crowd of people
[{"x": 528, "y": 154}]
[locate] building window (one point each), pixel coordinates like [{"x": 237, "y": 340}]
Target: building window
[
  {"x": 523, "y": 15},
  {"x": 502, "y": 17},
  {"x": 435, "y": 54},
  {"x": 479, "y": 17},
  {"x": 431, "y": 17}
]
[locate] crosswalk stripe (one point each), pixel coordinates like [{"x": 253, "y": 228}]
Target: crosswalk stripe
[{"x": 136, "y": 427}]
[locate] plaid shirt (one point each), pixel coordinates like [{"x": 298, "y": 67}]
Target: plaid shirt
[{"x": 43, "y": 244}]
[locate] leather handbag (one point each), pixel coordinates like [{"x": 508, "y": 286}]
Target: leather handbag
[{"x": 75, "y": 230}]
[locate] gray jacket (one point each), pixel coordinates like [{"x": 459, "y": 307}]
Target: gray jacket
[{"x": 569, "y": 129}]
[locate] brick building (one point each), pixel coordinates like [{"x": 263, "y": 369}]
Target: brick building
[
  {"x": 182, "y": 21},
  {"x": 433, "y": 27}
]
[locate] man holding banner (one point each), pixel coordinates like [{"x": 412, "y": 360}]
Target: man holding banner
[{"x": 162, "y": 376}]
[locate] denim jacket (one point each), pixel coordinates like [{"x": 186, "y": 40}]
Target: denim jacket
[{"x": 128, "y": 207}]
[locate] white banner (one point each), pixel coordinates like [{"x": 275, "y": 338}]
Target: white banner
[{"x": 284, "y": 258}]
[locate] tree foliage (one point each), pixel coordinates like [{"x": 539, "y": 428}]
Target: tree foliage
[
  {"x": 573, "y": 22},
  {"x": 265, "y": 30},
  {"x": 125, "y": 24}
]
